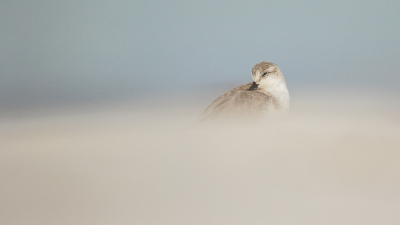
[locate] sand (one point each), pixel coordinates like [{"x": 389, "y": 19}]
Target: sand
[{"x": 333, "y": 160}]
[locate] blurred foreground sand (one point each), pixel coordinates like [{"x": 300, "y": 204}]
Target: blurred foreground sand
[{"x": 332, "y": 160}]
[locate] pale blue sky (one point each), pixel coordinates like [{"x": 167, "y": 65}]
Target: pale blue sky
[{"x": 55, "y": 51}]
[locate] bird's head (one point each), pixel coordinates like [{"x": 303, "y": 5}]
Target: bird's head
[{"x": 265, "y": 74}]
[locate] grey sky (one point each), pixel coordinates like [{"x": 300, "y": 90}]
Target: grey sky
[{"x": 71, "y": 50}]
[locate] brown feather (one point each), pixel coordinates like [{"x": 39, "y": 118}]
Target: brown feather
[{"x": 237, "y": 102}]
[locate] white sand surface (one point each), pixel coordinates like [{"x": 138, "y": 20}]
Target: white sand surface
[{"x": 334, "y": 159}]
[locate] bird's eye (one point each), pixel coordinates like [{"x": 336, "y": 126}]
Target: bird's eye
[{"x": 265, "y": 74}]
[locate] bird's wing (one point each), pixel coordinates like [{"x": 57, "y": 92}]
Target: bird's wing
[
  {"x": 222, "y": 102},
  {"x": 249, "y": 102}
]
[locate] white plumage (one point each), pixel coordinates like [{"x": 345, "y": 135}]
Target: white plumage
[{"x": 267, "y": 94}]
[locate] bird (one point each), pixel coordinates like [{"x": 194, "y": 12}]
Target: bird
[{"x": 266, "y": 95}]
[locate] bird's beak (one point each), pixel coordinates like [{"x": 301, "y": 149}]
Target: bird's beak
[{"x": 253, "y": 86}]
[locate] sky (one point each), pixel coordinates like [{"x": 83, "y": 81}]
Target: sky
[{"x": 72, "y": 51}]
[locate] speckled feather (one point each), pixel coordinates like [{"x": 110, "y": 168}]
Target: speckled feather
[{"x": 238, "y": 101}]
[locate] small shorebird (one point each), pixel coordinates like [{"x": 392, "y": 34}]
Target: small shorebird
[{"x": 267, "y": 94}]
